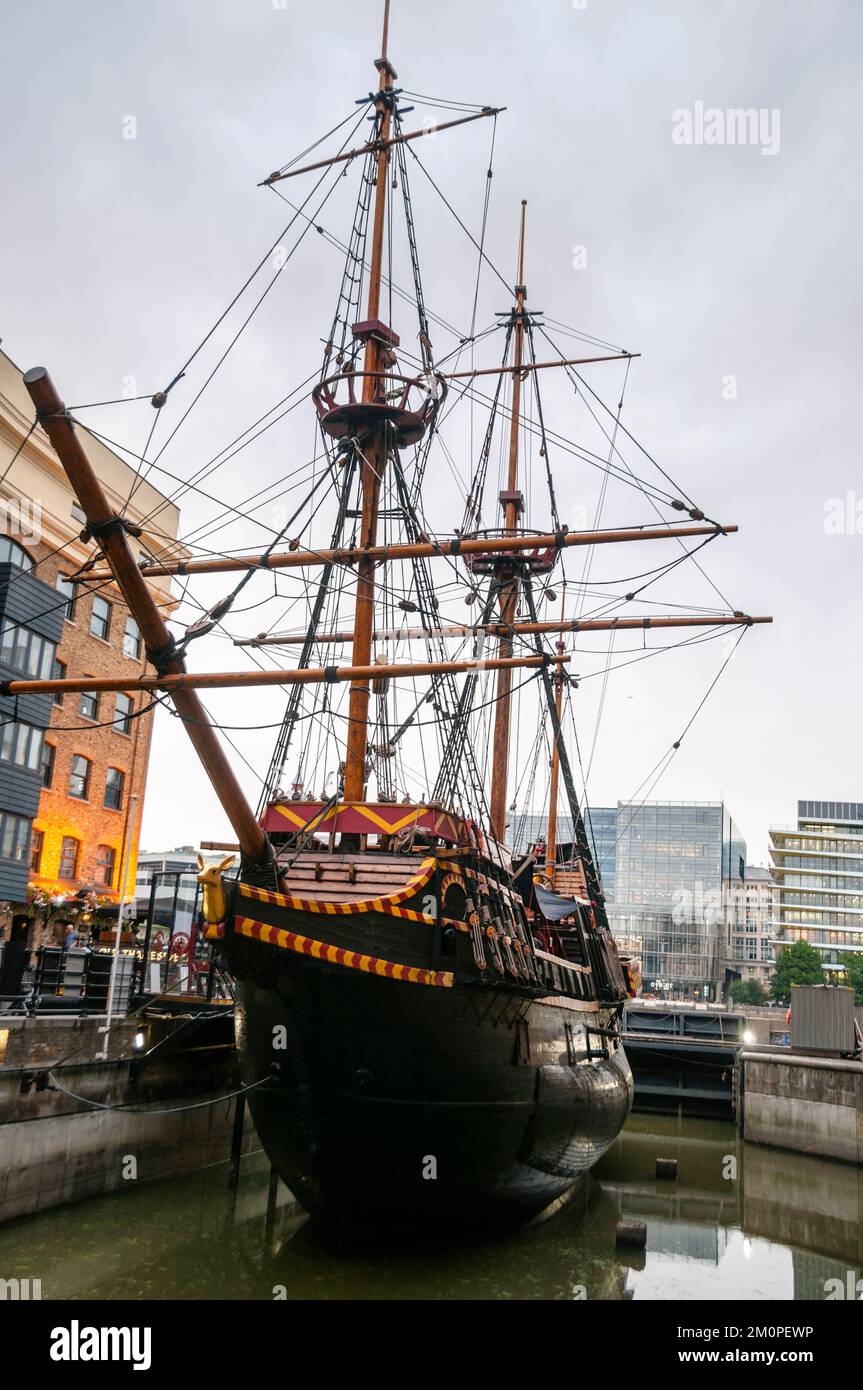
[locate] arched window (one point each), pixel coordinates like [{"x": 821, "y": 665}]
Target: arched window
[{"x": 13, "y": 554}]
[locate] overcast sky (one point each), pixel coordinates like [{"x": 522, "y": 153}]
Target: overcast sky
[{"x": 715, "y": 261}]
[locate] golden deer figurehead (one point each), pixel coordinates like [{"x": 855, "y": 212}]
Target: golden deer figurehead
[{"x": 210, "y": 878}]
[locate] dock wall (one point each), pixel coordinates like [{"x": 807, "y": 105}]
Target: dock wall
[
  {"x": 54, "y": 1149},
  {"x": 811, "y": 1104}
]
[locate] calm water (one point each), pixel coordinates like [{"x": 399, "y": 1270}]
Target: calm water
[{"x": 783, "y": 1227}]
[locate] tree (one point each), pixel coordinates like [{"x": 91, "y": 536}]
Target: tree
[
  {"x": 853, "y": 965},
  {"x": 748, "y": 992},
  {"x": 799, "y": 964}
]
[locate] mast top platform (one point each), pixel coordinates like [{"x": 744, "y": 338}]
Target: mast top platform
[
  {"x": 540, "y": 561},
  {"x": 408, "y": 404}
]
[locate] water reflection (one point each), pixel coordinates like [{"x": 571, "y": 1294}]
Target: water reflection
[{"x": 780, "y": 1229}]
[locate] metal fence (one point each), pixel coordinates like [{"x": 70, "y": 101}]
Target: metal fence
[{"x": 173, "y": 959}]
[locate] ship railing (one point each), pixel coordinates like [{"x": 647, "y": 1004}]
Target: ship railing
[{"x": 564, "y": 975}]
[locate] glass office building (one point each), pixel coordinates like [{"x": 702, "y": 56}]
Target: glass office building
[
  {"x": 818, "y": 867},
  {"x": 674, "y": 867},
  {"x": 667, "y": 868},
  {"x": 601, "y": 825},
  {"x": 677, "y": 855}
]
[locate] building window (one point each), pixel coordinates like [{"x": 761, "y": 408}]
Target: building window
[
  {"x": 69, "y": 857},
  {"x": 48, "y": 755},
  {"x": 88, "y": 704},
  {"x": 13, "y": 554},
  {"x": 79, "y": 777},
  {"x": 58, "y": 673},
  {"x": 114, "y": 788},
  {"x": 14, "y": 836},
  {"x": 21, "y": 744},
  {"x": 37, "y": 840},
  {"x": 26, "y": 651},
  {"x": 67, "y": 587},
  {"x": 123, "y": 714},
  {"x": 100, "y": 621},
  {"x": 132, "y": 640},
  {"x": 106, "y": 859}
]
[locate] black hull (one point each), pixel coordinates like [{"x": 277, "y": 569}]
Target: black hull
[{"x": 399, "y": 1109}]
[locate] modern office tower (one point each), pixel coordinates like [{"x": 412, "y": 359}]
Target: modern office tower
[
  {"x": 677, "y": 855},
  {"x": 667, "y": 868},
  {"x": 818, "y": 867},
  {"x": 675, "y": 864},
  {"x": 601, "y": 824},
  {"x": 750, "y": 910}
]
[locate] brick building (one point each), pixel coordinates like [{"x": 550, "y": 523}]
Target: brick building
[{"x": 95, "y": 750}]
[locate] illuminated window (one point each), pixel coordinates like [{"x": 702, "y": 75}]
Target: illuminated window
[
  {"x": 69, "y": 857},
  {"x": 79, "y": 777},
  {"x": 114, "y": 788},
  {"x": 106, "y": 859},
  {"x": 37, "y": 841}
]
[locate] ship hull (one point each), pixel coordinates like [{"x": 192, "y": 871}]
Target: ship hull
[{"x": 397, "y": 1109}]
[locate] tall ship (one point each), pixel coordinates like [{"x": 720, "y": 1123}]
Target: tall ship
[{"x": 428, "y": 1004}]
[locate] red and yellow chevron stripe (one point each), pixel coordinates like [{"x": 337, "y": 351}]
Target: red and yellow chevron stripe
[
  {"x": 385, "y": 904},
  {"x": 367, "y": 817},
  {"x": 333, "y": 955}
]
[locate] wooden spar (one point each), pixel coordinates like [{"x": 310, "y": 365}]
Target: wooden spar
[
  {"x": 509, "y": 589},
  {"x": 523, "y": 368},
  {"x": 58, "y": 425},
  {"x": 312, "y": 675},
  {"x": 415, "y": 550},
  {"x": 551, "y": 826},
  {"x": 381, "y": 145},
  {"x": 373, "y": 460},
  {"x": 420, "y": 634}
]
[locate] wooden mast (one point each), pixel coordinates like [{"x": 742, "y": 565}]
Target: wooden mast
[
  {"x": 508, "y": 598},
  {"x": 551, "y": 827},
  {"x": 109, "y": 531},
  {"x": 374, "y": 455}
]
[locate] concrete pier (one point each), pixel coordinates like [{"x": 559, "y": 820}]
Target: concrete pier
[
  {"x": 813, "y": 1105},
  {"x": 56, "y": 1149}
]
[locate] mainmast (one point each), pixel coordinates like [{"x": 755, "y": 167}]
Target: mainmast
[
  {"x": 373, "y": 458},
  {"x": 509, "y": 578}
]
